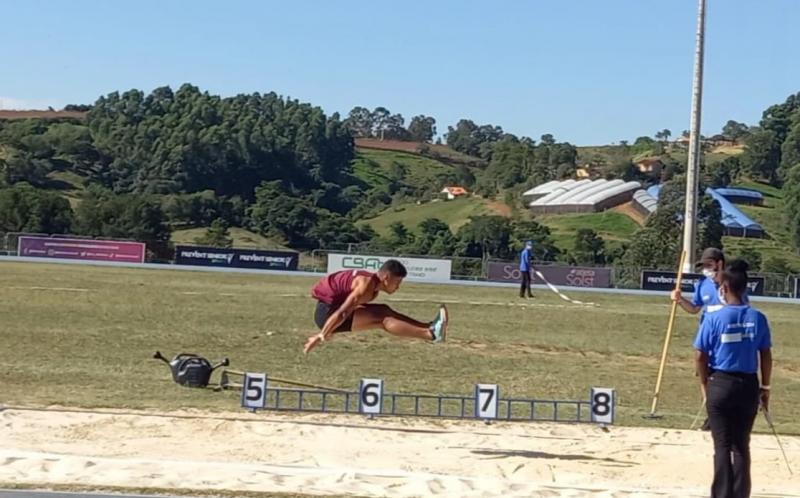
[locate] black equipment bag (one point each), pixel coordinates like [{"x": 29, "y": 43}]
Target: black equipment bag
[{"x": 189, "y": 369}]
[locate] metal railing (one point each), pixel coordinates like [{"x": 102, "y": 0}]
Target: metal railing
[{"x": 427, "y": 405}]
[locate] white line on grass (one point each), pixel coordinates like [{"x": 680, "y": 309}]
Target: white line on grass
[
  {"x": 62, "y": 289},
  {"x": 455, "y": 301}
]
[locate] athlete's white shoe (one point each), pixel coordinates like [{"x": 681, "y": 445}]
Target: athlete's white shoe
[{"x": 439, "y": 326}]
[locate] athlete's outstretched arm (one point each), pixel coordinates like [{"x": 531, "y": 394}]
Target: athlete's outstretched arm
[
  {"x": 363, "y": 292},
  {"x": 360, "y": 294}
]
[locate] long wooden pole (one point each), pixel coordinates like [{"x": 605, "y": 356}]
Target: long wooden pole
[
  {"x": 294, "y": 382},
  {"x": 667, "y": 339}
]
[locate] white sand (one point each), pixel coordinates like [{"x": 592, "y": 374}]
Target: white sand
[{"x": 323, "y": 454}]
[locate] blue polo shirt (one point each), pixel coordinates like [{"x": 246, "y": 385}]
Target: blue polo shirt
[
  {"x": 732, "y": 338},
  {"x": 706, "y": 294},
  {"x": 525, "y": 260}
]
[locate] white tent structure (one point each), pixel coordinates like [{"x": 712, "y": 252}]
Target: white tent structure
[{"x": 584, "y": 196}]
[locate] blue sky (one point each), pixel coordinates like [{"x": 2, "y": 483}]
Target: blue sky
[{"x": 587, "y": 71}]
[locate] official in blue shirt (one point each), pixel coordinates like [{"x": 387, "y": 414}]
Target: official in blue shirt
[
  {"x": 707, "y": 292},
  {"x": 729, "y": 346},
  {"x": 706, "y": 297},
  {"x": 526, "y": 269}
]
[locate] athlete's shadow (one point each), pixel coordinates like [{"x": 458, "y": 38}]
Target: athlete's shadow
[{"x": 494, "y": 454}]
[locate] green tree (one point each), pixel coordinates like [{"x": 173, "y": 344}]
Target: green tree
[
  {"x": 762, "y": 156},
  {"x": 486, "y": 237},
  {"x": 777, "y": 264},
  {"x": 790, "y": 149},
  {"x": 434, "y": 238},
  {"x": 359, "y": 122},
  {"x": 422, "y": 128},
  {"x": 471, "y": 139},
  {"x": 26, "y": 209},
  {"x": 395, "y": 129},
  {"x": 547, "y": 140},
  {"x": 735, "y": 130},
  {"x": 399, "y": 236},
  {"x": 752, "y": 257},
  {"x": 188, "y": 141},
  {"x": 589, "y": 247},
  {"x": 791, "y": 208},
  {"x": 275, "y": 213},
  {"x": 380, "y": 121},
  {"x": 21, "y": 166},
  {"x": 217, "y": 235},
  {"x": 723, "y": 173},
  {"x": 126, "y": 216},
  {"x": 544, "y": 248}
]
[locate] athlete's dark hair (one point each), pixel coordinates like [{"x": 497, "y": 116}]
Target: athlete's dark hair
[
  {"x": 394, "y": 268},
  {"x": 735, "y": 275}
]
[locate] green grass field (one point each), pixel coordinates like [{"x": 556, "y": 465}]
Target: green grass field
[
  {"x": 455, "y": 213},
  {"x": 241, "y": 238},
  {"x": 373, "y": 167},
  {"x": 83, "y": 337},
  {"x": 614, "y": 227}
]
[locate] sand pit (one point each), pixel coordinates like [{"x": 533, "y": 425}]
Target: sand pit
[{"x": 321, "y": 454}]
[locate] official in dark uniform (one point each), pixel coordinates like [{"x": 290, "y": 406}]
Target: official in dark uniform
[
  {"x": 730, "y": 344},
  {"x": 526, "y": 269}
]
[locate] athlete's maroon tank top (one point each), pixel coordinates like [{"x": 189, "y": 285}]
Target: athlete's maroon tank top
[{"x": 334, "y": 288}]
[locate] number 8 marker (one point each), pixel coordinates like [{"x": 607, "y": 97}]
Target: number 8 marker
[{"x": 603, "y": 401}]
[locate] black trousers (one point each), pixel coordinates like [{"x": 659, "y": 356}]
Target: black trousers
[
  {"x": 525, "y": 286},
  {"x": 732, "y": 404}
]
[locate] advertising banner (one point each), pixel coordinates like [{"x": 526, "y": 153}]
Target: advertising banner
[
  {"x": 257, "y": 259},
  {"x": 570, "y": 276},
  {"x": 85, "y": 249},
  {"x": 665, "y": 281},
  {"x": 423, "y": 270}
]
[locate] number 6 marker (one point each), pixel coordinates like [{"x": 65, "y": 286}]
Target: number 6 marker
[{"x": 370, "y": 396}]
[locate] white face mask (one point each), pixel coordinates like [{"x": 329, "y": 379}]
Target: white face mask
[{"x": 709, "y": 273}]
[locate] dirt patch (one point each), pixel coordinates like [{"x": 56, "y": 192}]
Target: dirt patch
[
  {"x": 11, "y": 115},
  {"x": 628, "y": 210},
  {"x": 500, "y": 208},
  {"x": 397, "y": 145}
]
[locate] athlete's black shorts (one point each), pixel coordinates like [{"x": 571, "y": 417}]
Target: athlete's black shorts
[{"x": 324, "y": 311}]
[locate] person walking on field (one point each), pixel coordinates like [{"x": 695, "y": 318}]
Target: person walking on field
[
  {"x": 344, "y": 304},
  {"x": 526, "y": 269},
  {"x": 730, "y": 345}
]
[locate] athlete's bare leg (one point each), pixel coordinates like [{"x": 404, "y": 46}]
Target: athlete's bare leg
[{"x": 380, "y": 316}]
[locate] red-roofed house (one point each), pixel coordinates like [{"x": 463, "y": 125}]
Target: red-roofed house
[{"x": 453, "y": 192}]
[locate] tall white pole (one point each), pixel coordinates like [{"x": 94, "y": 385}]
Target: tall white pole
[{"x": 693, "y": 166}]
